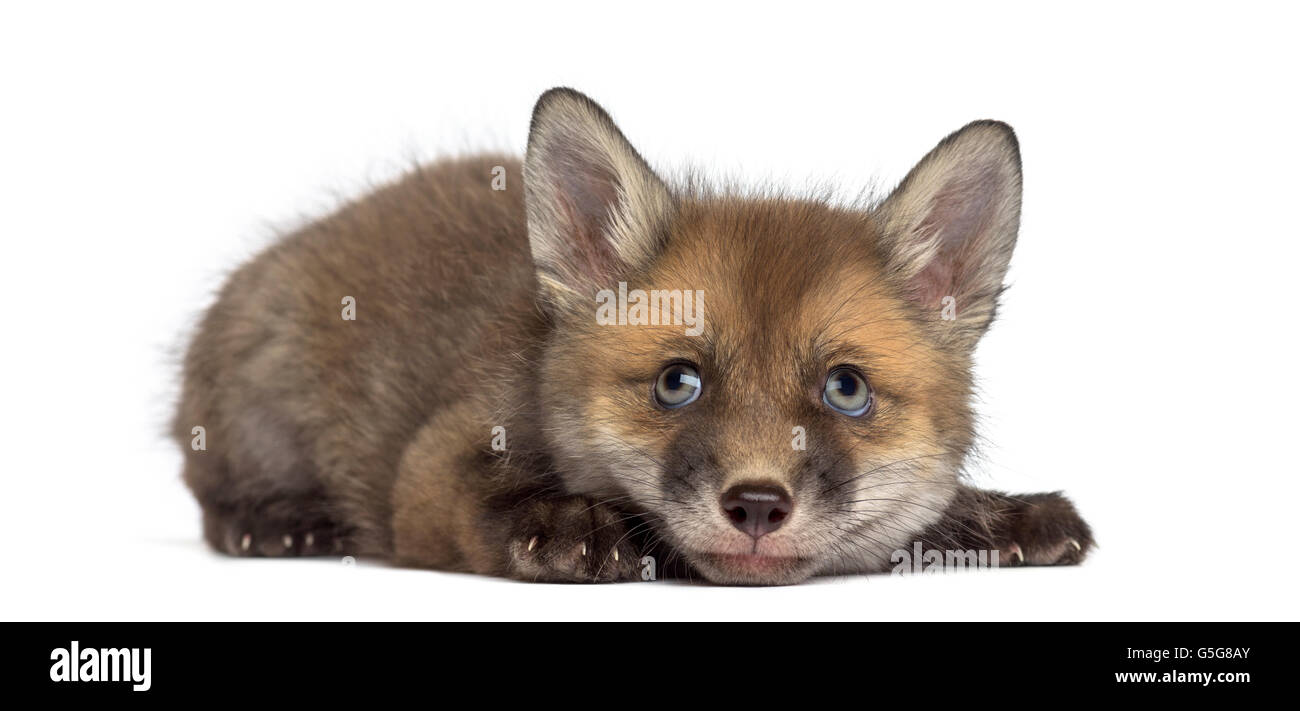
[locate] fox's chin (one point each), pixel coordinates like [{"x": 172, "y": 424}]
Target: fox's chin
[{"x": 751, "y": 569}]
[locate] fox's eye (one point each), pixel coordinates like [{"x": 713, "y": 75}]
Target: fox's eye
[
  {"x": 678, "y": 385},
  {"x": 847, "y": 392}
]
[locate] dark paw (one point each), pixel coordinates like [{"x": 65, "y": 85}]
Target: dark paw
[
  {"x": 251, "y": 534},
  {"x": 1045, "y": 530},
  {"x": 571, "y": 540}
]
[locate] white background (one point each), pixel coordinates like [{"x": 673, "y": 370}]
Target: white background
[{"x": 1143, "y": 362}]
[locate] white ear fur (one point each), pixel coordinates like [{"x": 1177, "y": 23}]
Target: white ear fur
[
  {"x": 594, "y": 207},
  {"x": 949, "y": 228}
]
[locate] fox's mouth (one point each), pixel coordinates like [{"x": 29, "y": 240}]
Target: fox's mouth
[{"x": 752, "y": 568}]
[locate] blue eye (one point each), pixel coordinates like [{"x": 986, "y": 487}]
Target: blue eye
[
  {"x": 847, "y": 392},
  {"x": 678, "y": 385}
]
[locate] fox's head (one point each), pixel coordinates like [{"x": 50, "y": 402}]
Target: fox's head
[{"x": 784, "y": 390}]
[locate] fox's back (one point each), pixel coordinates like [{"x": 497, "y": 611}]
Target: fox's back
[{"x": 325, "y": 352}]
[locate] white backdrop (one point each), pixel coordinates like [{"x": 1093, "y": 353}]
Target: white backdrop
[{"x": 1144, "y": 360}]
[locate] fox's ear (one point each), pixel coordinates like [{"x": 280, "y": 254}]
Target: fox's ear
[
  {"x": 595, "y": 209},
  {"x": 950, "y": 226}
]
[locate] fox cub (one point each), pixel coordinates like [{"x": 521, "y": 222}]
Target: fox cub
[{"x": 603, "y": 370}]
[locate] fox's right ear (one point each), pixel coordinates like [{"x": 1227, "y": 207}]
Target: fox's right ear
[{"x": 595, "y": 209}]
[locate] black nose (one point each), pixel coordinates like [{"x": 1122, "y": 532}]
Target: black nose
[{"x": 757, "y": 509}]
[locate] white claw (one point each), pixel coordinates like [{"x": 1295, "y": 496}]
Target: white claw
[
  {"x": 615, "y": 554},
  {"x": 246, "y": 542},
  {"x": 1015, "y": 550},
  {"x": 1076, "y": 545},
  {"x": 288, "y": 541},
  {"x": 584, "y": 549},
  {"x": 309, "y": 539},
  {"x": 532, "y": 543}
]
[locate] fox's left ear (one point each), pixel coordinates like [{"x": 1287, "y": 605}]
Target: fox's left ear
[{"x": 950, "y": 226}]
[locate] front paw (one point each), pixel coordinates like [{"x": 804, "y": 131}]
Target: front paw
[
  {"x": 571, "y": 539},
  {"x": 1044, "y": 529}
]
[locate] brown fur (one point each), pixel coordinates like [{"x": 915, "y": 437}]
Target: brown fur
[{"x": 474, "y": 310}]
